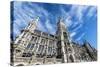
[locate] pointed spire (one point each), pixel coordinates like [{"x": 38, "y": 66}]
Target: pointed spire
[
  {"x": 36, "y": 19},
  {"x": 60, "y": 19}
]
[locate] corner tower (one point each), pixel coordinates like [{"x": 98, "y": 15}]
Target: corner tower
[
  {"x": 26, "y": 32},
  {"x": 22, "y": 41},
  {"x": 65, "y": 49}
]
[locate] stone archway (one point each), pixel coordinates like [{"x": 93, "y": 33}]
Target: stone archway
[
  {"x": 38, "y": 63},
  {"x": 71, "y": 58},
  {"x": 20, "y": 65}
]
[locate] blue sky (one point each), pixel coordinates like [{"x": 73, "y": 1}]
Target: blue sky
[{"x": 81, "y": 20}]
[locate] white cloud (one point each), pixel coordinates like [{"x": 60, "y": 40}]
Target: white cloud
[
  {"x": 26, "y": 14},
  {"x": 67, "y": 17},
  {"x": 91, "y": 12},
  {"x": 17, "y": 21},
  {"x": 23, "y": 16},
  {"x": 68, "y": 21},
  {"x": 80, "y": 37},
  {"x": 40, "y": 26},
  {"x": 15, "y": 30},
  {"x": 72, "y": 34},
  {"x": 50, "y": 27},
  {"x": 78, "y": 27},
  {"x": 78, "y": 11},
  {"x": 41, "y": 12},
  {"x": 19, "y": 14}
]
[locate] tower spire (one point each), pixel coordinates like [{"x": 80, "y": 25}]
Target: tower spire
[
  {"x": 60, "y": 20},
  {"x": 36, "y": 19},
  {"x": 64, "y": 40},
  {"x": 33, "y": 24}
]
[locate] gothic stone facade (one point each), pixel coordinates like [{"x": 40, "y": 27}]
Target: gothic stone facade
[{"x": 33, "y": 47}]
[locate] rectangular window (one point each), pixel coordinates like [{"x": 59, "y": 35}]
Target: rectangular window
[
  {"x": 30, "y": 46},
  {"x": 35, "y": 47},
  {"x": 35, "y": 39},
  {"x": 42, "y": 48},
  {"x": 19, "y": 41},
  {"x": 49, "y": 50},
  {"x": 32, "y": 38},
  {"x": 42, "y": 41}
]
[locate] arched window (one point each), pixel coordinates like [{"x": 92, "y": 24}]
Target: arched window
[
  {"x": 71, "y": 58},
  {"x": 32, "y": 38},
  {"x": 32, "y": 46},
  {"x": 65, "y": 34},
  {"x": 19, "y": 41},
  {"x": 35, "y": 39},
  {"x": 17, "y": 50},
  {"x": 69, "y": 50}
]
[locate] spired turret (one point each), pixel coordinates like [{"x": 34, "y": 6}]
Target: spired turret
[
  {"x": 28, "y": 30},
  {"x": 24, "y": 39},
  {"x": 33, "y": 24},
  {"x": 92, "y": 51},
  {"x": 64, "y": 44}
]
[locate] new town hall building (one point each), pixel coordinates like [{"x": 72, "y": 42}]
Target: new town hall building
[{"x": 34, "y": 47}]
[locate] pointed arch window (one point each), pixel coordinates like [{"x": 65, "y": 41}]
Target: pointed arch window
[{"x": 71, "y": 58}]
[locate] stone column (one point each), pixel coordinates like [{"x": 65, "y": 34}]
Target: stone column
[
  {"x": 63, "y": 48},
  {"x": 46, "y": 51}
]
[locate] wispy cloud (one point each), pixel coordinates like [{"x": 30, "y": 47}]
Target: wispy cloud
[
  {"x": 24, "y": 12},
  {"x": 40, "y": 26},
  {"x": 78, "y": 12},
  {"x": 78, "y": 27},
  {"x": 80, "y": 37},
  {"x": 16, "y": 30},
  {"x": 49, "y": 27},
  {"x": 91, "y": 12},
  {"x": 73, "y": 34}
]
